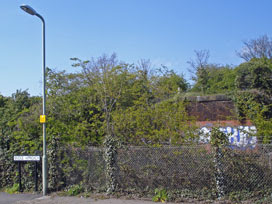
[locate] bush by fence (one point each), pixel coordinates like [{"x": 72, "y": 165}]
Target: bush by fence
[{"x": 187, "y": 171}]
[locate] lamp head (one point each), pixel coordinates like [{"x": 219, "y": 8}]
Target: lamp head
[{"x": 28, "y": 9}]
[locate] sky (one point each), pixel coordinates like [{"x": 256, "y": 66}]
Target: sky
[{"x": 165, "y": 31}]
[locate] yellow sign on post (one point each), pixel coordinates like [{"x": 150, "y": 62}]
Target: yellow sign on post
[{"x": 42, "y": 119}]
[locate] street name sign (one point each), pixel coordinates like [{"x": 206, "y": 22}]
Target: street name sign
[
  {"x": 26, "y": 158},
  {"x": 20, "y": 159}
]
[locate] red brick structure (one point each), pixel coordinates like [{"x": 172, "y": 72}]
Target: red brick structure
[{"x": 216, "y": 109}]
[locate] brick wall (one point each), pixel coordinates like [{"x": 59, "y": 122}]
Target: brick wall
[{"x": 217, "y": 109}]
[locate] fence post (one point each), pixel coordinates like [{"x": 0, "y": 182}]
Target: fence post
[
  {"x": 219, "y": 175},
  {"x": 219, "y": 140},
  {"x": 110, "y": 160}
]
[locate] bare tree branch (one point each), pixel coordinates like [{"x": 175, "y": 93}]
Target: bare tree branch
[
  {"x": 256, "y": 48},
  {"x": 200, "y": 62}
]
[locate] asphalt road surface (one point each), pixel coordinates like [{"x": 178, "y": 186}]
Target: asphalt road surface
[
  {"x": 6, "y": 198},
  {"x": 39, "y": 199},
  {"x": 54, "y": 199}
]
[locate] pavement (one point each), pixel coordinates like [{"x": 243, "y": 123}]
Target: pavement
[
  {"x": 6, "y": 198},
  {"x": 55, "y": 199},
  {"x": 39, "y": 199},
  {"x": 76, "y": 200}
]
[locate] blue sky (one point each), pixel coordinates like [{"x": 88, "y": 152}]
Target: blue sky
[{"x": 164, "y": 31}]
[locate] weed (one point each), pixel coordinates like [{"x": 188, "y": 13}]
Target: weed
[
  {"x": 13, "y": 189},
  {"x": 160, "y": 195},
  {"x": 74, "y": 190}
]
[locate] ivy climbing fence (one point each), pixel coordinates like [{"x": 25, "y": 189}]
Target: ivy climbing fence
[
  {"x": 196, "y": 171},
  {"x": 189, "y": 171}
]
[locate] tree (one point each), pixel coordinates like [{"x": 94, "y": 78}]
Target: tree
[
  {"x": 221, "y": 79},
  {"x": 199, "y": 68},
  {"x": 17, "y": 135},
  {"x": 106, "y": 76},
  {"x": 254, "y": 96},
  {"x": 165, "y": 122},
  {"x": 168, "y": 83},
  {"x": 255, "y": 74},
  {"x": 257, "y": 107},
  {"x": 256, "y": 48},
  {"x": 74, "y": 114}
]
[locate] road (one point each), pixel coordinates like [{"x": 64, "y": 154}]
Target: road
[
  {"x": 54, "y": 199},
  {"x": 39, "y": 199},
  {"x": 13, "y": 198}
]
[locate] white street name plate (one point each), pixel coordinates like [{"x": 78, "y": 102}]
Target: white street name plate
[{"x": 26, "y": 158}]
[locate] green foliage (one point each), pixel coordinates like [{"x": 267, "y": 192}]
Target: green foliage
[
  {"x": 17, "y": 135},
  {"x": 218, "y": 138},
  {"x": 165, "y": 122},
  {"x": 110, "y": 144},
  {"x": 168, "y": 84},
  {"x": 13, "y": 189},
  {"x": 74, "y": 190},
  {"x": 160, "y": 195},
  {"x": 250, "y": 86},
  {"x": 256, "y": 107},
  {"x": 221, "y": 79},
  {"x": 84, "y": 107},
  {"x": 73, "y": 113},
  {"x": 255, "y": 74},
  {"x": 109, "y": 101},
  {"x": 218, "y": 79}
]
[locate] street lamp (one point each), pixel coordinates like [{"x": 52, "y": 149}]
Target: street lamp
[{"x": 31, "y": 11}]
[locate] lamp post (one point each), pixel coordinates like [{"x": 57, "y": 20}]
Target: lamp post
[{"x": 31, "y": 11}]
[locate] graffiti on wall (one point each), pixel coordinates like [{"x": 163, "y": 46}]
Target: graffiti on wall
[{"x": 238, "y": 136}]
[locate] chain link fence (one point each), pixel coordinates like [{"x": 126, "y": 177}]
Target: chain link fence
[
  {"x": 196, "y": 171},
  {"x": 193, "y": 171}
]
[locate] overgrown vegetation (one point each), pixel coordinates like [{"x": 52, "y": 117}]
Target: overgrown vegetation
[{"x": 111, "y": 104}]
